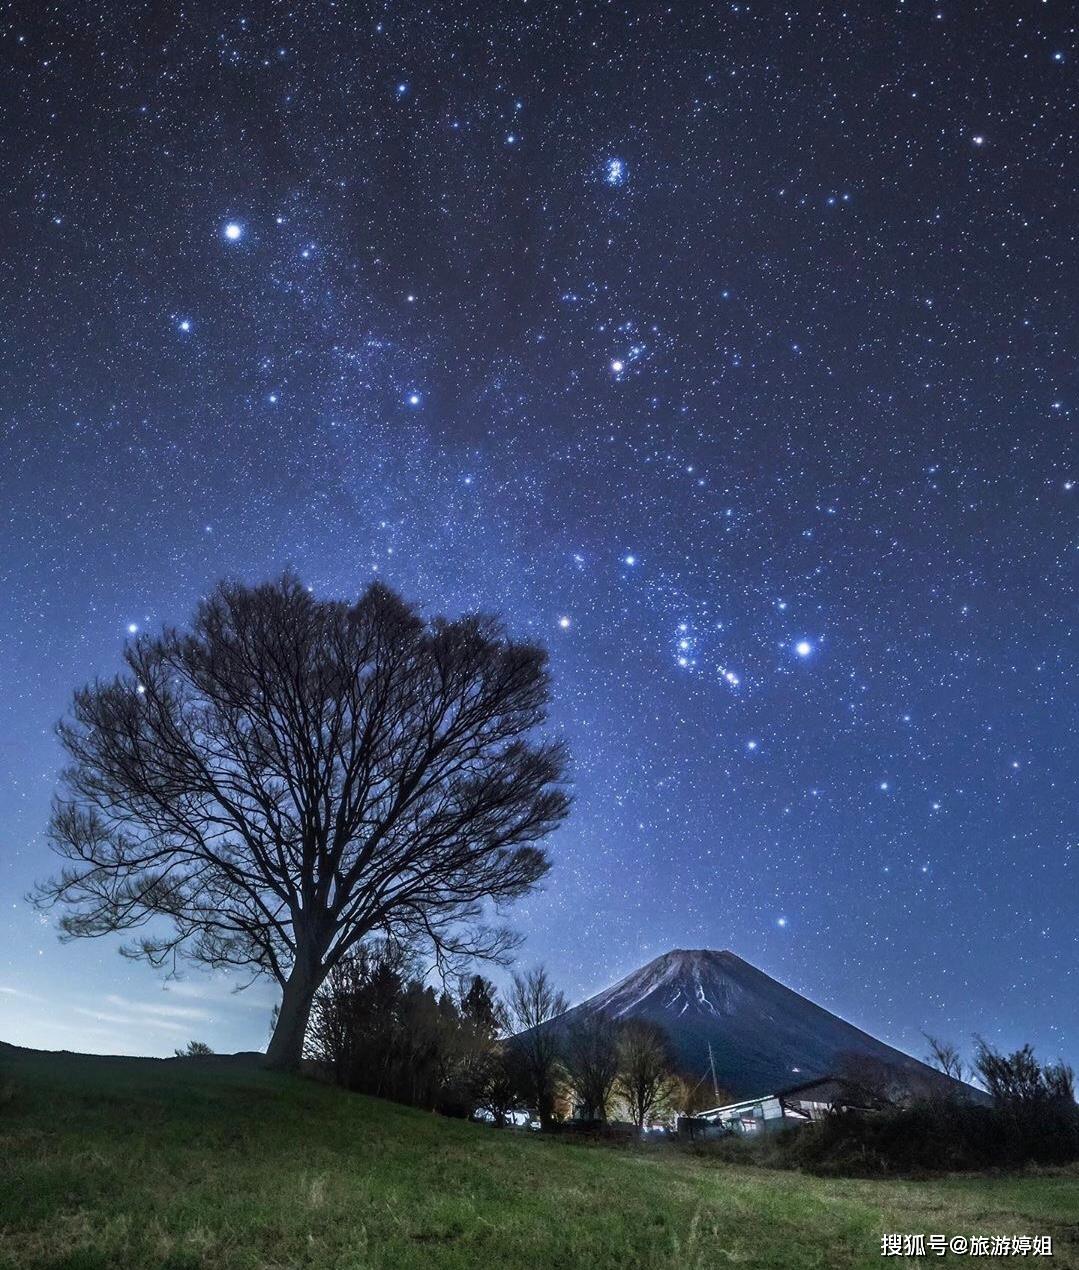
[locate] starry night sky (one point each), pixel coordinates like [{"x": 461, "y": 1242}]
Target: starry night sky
[{"x": 730, "y": 350}]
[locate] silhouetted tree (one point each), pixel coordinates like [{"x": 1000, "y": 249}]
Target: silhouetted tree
[
  {"x": 645, "y": 1081},
  {"x": 481, "y": 1006},
  {"x": 355, "y": 1028},
  {"x": 478, "y": 1067},
  {"x": 591, "y": 1061},
  {"x": 194, "y": 1049},
  {"x": 504, "y": 1084},
  {"x": 295, "y": 775},
  {"x": 1019, "y": 1078},
  {"x": 534, "y": 1001},
  {"x": 945, "y": 1056}
]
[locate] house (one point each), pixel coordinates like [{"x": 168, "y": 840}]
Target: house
[{"x": 795, "y": 1105}]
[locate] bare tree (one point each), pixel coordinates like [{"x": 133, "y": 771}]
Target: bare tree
[
  {"x": 688, "y": 1096},
  {"x": 1019, "y": 1079},
  {"x": 945, "y": 1057},
  {"x": 533, "y": 1002},
  {"x": 645, "y": 1081},
  {"x": 591, "y": 1059},
  {"x": 294, "y": 775}
]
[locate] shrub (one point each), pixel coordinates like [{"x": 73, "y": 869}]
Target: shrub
[
  {"x": 934, "y": 1135},
  {"x": 194, "y": 1049}
]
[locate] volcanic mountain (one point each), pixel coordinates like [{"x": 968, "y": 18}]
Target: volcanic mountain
[{"x": 763, "y": 1036}]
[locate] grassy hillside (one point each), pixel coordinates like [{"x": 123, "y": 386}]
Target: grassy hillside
[{"x": 125, "y": 1163}]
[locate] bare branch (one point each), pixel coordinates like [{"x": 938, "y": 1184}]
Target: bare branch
[{"x": 294, "y": 774}]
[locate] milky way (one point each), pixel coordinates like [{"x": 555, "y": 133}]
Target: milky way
[{"x": 728, "y": 350}]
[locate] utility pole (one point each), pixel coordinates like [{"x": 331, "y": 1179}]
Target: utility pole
[{"x": 712, "y": 1069}]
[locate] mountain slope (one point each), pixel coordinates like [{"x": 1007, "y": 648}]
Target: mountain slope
[{"x": 763, "y": 1035}]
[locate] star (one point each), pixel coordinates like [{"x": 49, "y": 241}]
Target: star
[{"x": 623, "y": 335}]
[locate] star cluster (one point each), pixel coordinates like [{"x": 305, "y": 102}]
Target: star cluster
[{"x": 730, "y": 351}]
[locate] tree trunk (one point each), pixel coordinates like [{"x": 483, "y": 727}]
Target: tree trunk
[{"x": 285, "y": 1049}]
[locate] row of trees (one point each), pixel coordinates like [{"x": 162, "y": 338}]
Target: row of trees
[
  {"x": 1009, "y": 1079},
  {"x": 1030, "y": 1117},
  {"x": 376, "y": 1027}
]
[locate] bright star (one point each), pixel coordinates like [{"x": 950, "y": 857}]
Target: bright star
[
  {"x": 781, "y": 921},
  {"x": 414, "y": 399},
  {"x": 564, "y": 622},
  {"x": 631, "y": 560},
  {"x": 751, "y": 745},
  {"x": 618, "y": 366},
  {"x": 234, "y": 231},
  {"x": 185, "y": 325},
  {"x": 803, "y": 648},
  {"x": 132, "y": 628}
]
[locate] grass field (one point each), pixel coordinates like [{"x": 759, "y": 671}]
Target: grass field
[{"x": 111, "y": 1164}]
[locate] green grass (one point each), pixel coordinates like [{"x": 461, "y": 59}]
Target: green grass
[{"x": 115, "y": 1164}]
